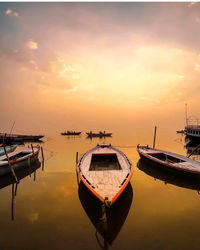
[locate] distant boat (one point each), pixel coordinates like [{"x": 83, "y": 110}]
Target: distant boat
[
  {"x": 169, "y": 160},
  {"x": 100, "y": 134},
  {"x": 105, "y": 171},
  {"x": 180, "y": 131},
  {"x": 71, "y": 133},
  {"x": 18, "y": 137},
  {"x": 8, "y": 149},
  {"x": 18, "y": 159}
]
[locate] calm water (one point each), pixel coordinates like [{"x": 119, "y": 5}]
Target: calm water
[{"x": 49, "y": 212}]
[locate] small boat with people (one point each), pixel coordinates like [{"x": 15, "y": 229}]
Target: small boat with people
[
  {"x": 105, "y": 171},
  {"x": 169, "y": 160},
  {"x": 19, "y": 158},
  {"x": 100, "y": 134},
  {"x": 70, "y": 133}
]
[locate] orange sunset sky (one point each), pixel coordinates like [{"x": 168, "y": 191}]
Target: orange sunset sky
[{"x": 97, "y": 65}]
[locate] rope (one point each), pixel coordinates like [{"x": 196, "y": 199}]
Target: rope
[
  {"x": 124, "y": 146},
  {"x": 51, "y": 154}
]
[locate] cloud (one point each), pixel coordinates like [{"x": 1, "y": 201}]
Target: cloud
[
  {"x": 191, "y": 4},
  {"x": 32, "y": 44},
  {"x": 197, "y": 67},
  {"x": 9, "y": 12}
]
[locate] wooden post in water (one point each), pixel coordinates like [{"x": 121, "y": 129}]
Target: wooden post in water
[
  {"x": 16, "y": 185},
  {"x": 186, "y": 115},
  {"x": 154, "y": 139},
  {"x": 76, "y": 168},
  {"x": 34, "y": 176},
  {"x": 33, "y": 152},
  {"x": 12, "y": 202},
  {"x": 42, "y": 153},
  {"x": 11, "y": 168},
  {"x": 76, "y": 158}
]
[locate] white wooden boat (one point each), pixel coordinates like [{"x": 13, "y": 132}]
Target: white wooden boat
[
  {"x": 169, "y": 160},
  {"x": 8, "y": 149},
  {"x": 22, "y": 156},
  {"x": 105, "y": 171}
]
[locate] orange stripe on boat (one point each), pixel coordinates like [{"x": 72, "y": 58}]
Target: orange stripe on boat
[
  {"x": 89, "y": 187},
  {"x": 124, "y": 186}
]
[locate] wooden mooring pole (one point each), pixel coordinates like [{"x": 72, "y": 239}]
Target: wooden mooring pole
[
  {"x": 76, "y": 158},
  {"x": 33, "y": 152},
  {"x": 42, "y": 154},
  {"x": 76, "y": 169},
  {"x": 154, "y": 139},
  {"x": 9, "y": 163}
]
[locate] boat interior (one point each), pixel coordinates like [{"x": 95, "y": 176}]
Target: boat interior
[
  {"x": 19, "y": 155},
  {"x": 165, "y": 157},
  {"x": 101, "y": 162}
]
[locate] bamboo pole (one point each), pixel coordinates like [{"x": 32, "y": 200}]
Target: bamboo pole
[
  {"x": 33, "y": 152},
  {"x": 34, "y": 176},
  {"x": 42, "y": 153},
  {"x": 186, "y": 115},
  {"x": 10, "y": 165},
  {"x": 12, "y": 202},
  {"x": 193, "y": 151},
  {"x": 76, "y": 169},
  {"x": 76, "y": 158},
  {"x": 154, "y": 139}
]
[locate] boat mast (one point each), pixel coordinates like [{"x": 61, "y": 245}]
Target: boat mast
[{"x": 186, "y": 117}]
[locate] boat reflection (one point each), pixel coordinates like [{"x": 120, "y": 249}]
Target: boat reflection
[
  {"x": 107, "y": 225},
  {"x": 170, "y": 176},
  {"x": 21, "y": 174},
  {"x": 193, "y": 149}
]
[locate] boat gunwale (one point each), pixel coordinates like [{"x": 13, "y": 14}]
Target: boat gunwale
[{"x": 19, "y": 160}]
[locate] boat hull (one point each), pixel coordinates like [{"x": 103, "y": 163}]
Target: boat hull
[
  {"x": 170, "y": 166},
  {"x": 71, "y": 134},
  {"x": 18, "y": 138},
  {"x": 18, "y": 163}
]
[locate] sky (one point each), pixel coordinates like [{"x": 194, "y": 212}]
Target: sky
[{"x": 98, "y": 65}]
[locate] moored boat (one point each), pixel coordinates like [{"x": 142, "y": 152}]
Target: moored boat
[
  {"x": 18, "y": 137},
  {"x": 105, "y": 171},
  {"x": 170, "y": 160},
  {"x": 18, "y": 159}
]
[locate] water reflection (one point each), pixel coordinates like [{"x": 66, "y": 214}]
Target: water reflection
[
  {"x": 10, "y": 180},
  {"x": 170, "y": 176},
  {"x": 193, "y": 149},
  {"x": 107, "y": 225}
]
